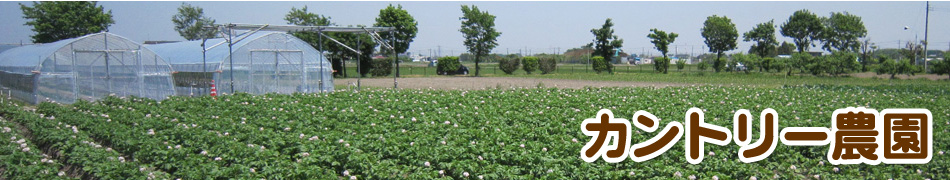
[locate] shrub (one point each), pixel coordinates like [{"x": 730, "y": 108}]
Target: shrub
[
  {"x": 448, "y": 64},
  {"x": 889, "y": 66},
  {"x": 942, "y": 67},
  {"x": 381, "y": 67},
  {"x": 599, "y": 64},
  {"x": 842, "y": 63},
  {"x": 702, "y": 65},
  {"x": 508, "y": 64},
  {"x": 548, "y": 65},
  {"x": 530, "y": 64},
  {"x": 680, "y": 64},
  {"x": 661, "y": 64}
]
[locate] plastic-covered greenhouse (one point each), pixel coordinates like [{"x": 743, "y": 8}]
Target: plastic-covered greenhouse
[
  {"x": 88, "y": 67},
  {"x": 264, "y": 62}
]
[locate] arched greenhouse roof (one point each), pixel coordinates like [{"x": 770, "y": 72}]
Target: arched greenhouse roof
[
  {"x": 31, "y": 57},
  {"x": 189, "y": 52}
]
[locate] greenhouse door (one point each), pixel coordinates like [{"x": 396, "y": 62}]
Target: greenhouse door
[
  {"x": 276, "y": 71},
  {"x": 101, "y": 73}
]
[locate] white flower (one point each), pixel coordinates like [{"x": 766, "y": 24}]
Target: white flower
[
  {"x": 792, "y": 167},
  {"x": 753, "y": 178},
  {"x": 941, "y": 152},
  {"x": 347, "y": 145},
  {"x": 340, "y": 141},
  {"x": 26, "y": 149},
  {"x": 427, "y": 164},
  {"x": 252, "y": 170},
  {"x": 574, "y": 140},
  {"x": 544, "y": 149},
  {"x": 412, "y": 143},
  {"x": 217, "y": 158},
  {"x": 346, "y": 172},
  {"x": 447, "y": 122},
  {"x": 352, "y": 177},
  {"x": 443, "y": 142},
  {"x": 678, "y": 174},
  {"x": 817, "y": 176},
  {"x": 61, "y": 173},
  {"x": 481, "y": 177},
  {"x": 712, "y": 153},
  {"x": 441, "y": 172},
  {"x": 522, "y": 145},
  {"x": 836, "y": 169},
  {"x": 204, "y": 152},
  {"x": 413, "y": 119},
  {"x": 692, "y": 177},
  {"x": 480, "y": 158},
  {"x": 305, "y": 154},
  {"x": 314, "y": 138},
  {"x": 465, "y": 174},
  {"x": 715, "y": 178}
]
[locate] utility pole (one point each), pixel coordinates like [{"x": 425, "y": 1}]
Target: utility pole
[
  {"x": 440, "y": 50},
  {"x": 926, "y": 27}
]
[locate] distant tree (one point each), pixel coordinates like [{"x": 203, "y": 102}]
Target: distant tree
[
  {"x": 799, "y": 61},
  {"x": 661, "y": 42},
  {"x": 841, "y": 62},
  {"x": 867, "y": 54},
  {"x": 190, "y": 23},
  {"x": 478, "y": 27},
  {"x": 57, "y": 20},
  {"x": 786, "y": 48},
  {"x": 302, "y": 17},
  {"x": 721, "y": 35},
  {"x": 530, "y": 64},
  {"x": 889, "y": 66},
  {"x": 406, "y": 29},
  {"x": 841, "y": 32},
  {"x": 942, "y": 67},
  {"x": 912, "y": 51},
  {"x": 803, "y": 27},
  {"x": 763, "y": 35},
  {"x": 606, "y": 43}
]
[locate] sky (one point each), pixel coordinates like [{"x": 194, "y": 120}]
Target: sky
[{"x": 535, "y": 27}]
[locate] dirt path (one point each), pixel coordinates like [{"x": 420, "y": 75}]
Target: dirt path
[{"x": 473, "y": 83}]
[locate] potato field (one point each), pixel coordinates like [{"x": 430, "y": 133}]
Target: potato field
[{"x": 529, "y": 133}]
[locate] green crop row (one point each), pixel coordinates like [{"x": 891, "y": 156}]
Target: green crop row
[{"x": 75, "y": 147}]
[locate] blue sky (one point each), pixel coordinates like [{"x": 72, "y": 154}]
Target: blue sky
[{"x": 536, "y": 26}]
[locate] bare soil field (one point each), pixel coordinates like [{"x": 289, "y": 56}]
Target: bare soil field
[{"x": 474, "y": 83}]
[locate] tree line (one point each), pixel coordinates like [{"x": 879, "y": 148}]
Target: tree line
[{"x": 841, "y": 33}]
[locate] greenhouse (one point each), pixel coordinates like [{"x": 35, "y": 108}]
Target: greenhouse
[
  {"x": 88, "y": 67},
  {"x": 263, "y": 62}
]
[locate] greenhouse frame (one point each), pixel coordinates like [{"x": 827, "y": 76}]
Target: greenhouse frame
[
  {"x": 88, "y": 67},
  {"x": 263, "y": 62}
]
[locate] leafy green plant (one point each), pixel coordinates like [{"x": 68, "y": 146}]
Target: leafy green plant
[
  {"x": 530, "y": 64},
  {"x": 508, "y": 64},
  {"x": 448, "y": 64},
  {"x": 600, "y": 65},
  {"x": 680, "y": 64}
]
